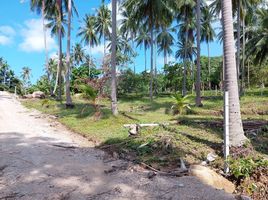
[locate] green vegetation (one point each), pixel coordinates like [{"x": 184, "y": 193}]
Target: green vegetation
[{"x": 192, "y": 136}]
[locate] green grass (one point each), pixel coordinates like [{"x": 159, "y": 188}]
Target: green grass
[{"x": 157, "y": 146}]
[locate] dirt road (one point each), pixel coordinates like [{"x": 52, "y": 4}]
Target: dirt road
[{"x": 39, "y": 160}]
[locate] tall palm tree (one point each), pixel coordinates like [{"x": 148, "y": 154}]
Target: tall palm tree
[
  {"x": 198, "y": 75},
  {"x": 186, "y": 20},
  {"x": 129, "y": 29},
  {"x": 103, "y": 24},
  {"x": 69, "y": 103},
  {"x": 148, "y": 13},
  {"x": 88, "y": 33},
  {"x": 237, "y": 136},
  {"x": 113, "y": 61},
  {"x": 143, "y": 39},
  {"x": 40, "y": 5},
  {"x": 56, "y": 21},
  {"x": 165, "y": 40},
  {"x": 78, "y": 54},
  {"x": 207, "y": 34},
  {"x": 25, "y": 75}
]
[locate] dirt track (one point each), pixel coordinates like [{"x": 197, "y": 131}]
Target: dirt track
[{"x": 39, "y": 160}]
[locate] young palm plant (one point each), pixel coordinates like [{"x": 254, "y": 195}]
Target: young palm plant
[{"x": 181, "y": 104}]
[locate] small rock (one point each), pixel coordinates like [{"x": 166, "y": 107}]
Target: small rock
[
  {"x": 151, "y": 175},
  {"x": 181, "y": 185},
  {"x": 115, "y": 155},
  {"x": 211, "y": 157},
  {"x": 39, "y": 95},
  {"x": 244, "y": 197},
  {"x": 209, "y": 177}
]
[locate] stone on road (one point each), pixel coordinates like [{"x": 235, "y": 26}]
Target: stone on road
[{"x": 39, "y": 161}]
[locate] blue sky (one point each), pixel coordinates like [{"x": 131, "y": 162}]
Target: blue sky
[{"x": 21, "y": 37}]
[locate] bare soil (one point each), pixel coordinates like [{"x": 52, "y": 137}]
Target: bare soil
[{"x": 41, "y": 159}]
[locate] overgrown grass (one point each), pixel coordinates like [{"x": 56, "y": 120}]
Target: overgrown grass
[{"x": 192, "y": 137}]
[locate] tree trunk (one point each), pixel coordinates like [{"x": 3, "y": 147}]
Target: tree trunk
[
  {"x": 165, "y": 57},
  {"x": 237, "y": 136},
  {"x": 45, "y": 45},
  {"x": 198, "y": 74},
  {"x": 145, "y": 58},
  {"x": 69, "y": 103},
  {"x": 243, "y": 59},
  {"x": 59, "y": 5},
  {"x": 238, "y": 43},
  {"x": 113, "y": 59},
  {"x": 248, "y": 77},
  {"x": 152, "y": 63},
  {"x": 209, "y": 71}
]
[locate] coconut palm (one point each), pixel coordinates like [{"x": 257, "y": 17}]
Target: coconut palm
[
  {"x": 186, "y": 20},
  {"x": 143, "y": 39},
  {"x": 237, "y": 136},
  {"x": 40, "y": 6},
  {"x": 56, "y": 21},
  {"x": 103, "y": 24},
  {"x": 257, "y": 44},
  {"x": 88, "y": 33},
  {"x": 25, "y": 75},
  {"x": 207, "y": 34},
  {"x": 69, "y": 103},
  {"x": 198, "y": 74},
  {"x": 148, "y": 13},
  {"x": 113, "y": 60},
  {"x": 78, "y": 54},
  {"x": 165, "y": 40}
]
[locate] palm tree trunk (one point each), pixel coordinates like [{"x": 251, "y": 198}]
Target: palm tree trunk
[
  {"x": 152, "y": 63},
  {"x": 145, "y": 58},
  {"x": 165, "y": 57},
  {"x": 198, "y": 74},
  {"x": 69, "y": 103},
  {"x": 243, "y": 59},
  {"x": 238, "y": 43},
  {"x": 209, "y": 71},
  {"x": 45, "y": 45},
  {"x": 59, "y": 71},
  {"x": 113, "y": 83},
  {"x": 237, "y": 136},
  {"x": 248, "y": 77}
]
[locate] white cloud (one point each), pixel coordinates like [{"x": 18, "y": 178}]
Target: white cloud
[
  {"x": 160, "y": 60},
  {"x": 33, "y": 37},
  {"x": 7, "y": 34},
  {"x": 23, "y": 1},
  {"x": 53, "y": 55},
  {"x": 97, "y": 50}
]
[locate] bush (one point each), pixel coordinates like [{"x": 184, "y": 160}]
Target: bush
[{"x": 244, "y": 167}]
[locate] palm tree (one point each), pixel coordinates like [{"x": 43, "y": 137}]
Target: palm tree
[
  {"x": 113, "y": 60},
  {"x": 198, "y": 75},
  {"x": 69, "y": 103},
  {"x": 143, "y": 38},
  {"x": 148, "y": 13},
  {"x": 237, "y": 136},
  {"x": 165, "y": 40},
  {"x": 88, "y": 32},
  {"x": 25, "y": 75},
  {"x": 103, "y": 24},
  {"x": 187, "y": 24},
  {"x": 207, "y": 34},
  {"x": 78, "y": 54},
  {"x": 257, "y": 44},
  {"x": 129, "y": 29},
  {"x": 40, "y": 5},
  {"x": 56, "y": 21}
]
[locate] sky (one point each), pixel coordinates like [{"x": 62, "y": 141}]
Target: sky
[{"x": 22, "y": 43}]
